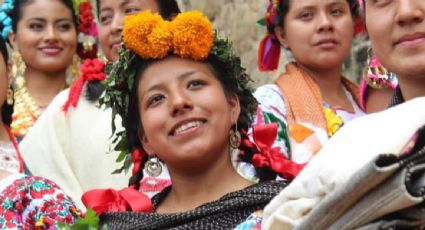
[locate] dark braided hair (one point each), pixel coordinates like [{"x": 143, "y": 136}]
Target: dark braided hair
[
  {"x": 6, "y": 109},
  {"x": 231, "y": 83},
  {"x": 167, "y": 9}
]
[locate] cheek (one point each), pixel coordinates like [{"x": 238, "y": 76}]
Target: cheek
[{"x": 103, "y": 37}]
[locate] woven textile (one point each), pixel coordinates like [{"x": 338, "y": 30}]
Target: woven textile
[
  {"x": 304, "y": 102},
  {"x": 225, "y": 213}
]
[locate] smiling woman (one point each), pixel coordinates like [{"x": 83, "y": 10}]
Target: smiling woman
[
  {"x": 163, "y": 91},
  {"x": 44, "y": 39}
]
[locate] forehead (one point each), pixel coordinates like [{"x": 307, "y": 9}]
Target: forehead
[
  {"x": 171, "y": 69},
  {"x": 45, "y": 8},
  {"x": 117, "y": 4},
  {"x": 312, "y": 3}
]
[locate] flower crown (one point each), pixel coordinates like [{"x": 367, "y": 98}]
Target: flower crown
[
  {"x": 269, "y": 49},
  {"x": 87, "y": 30},
  {"x": 148, "y": 37}
]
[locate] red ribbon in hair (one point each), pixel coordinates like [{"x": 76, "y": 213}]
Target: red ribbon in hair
[
  {"x": 137, "y": 158},
  {"x": 268, "y": 53},
  {"x": 110, "y": 200},
  {"x": 91, "y": 70},
  {"x": 264, "y": 136}
]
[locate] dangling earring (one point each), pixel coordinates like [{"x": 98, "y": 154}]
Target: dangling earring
[
  {"x": 235, "y": 137},
  {"x": 9, "y": 96},
  {"x": 18, "y": 69},
  {"x": 376, "y": 75},
  {"x": 153, "y": 167},
  {"x": 73, "y": 70}
]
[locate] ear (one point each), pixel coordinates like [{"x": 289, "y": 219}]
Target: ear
[
  {"x": 12, "y": 40},
  {"x": 281, "y": 36},
  {"x": 235, "y": 108},
  {"x": 145, "y": 143}
]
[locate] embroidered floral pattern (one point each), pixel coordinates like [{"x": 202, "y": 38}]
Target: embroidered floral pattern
[{"x": 35, "y": 203}]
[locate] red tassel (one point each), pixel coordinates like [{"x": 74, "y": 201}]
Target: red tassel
[{"x": 268, "y": 53}]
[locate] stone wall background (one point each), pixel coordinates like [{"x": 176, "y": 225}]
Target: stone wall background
[{"x": 237, "y": 20}]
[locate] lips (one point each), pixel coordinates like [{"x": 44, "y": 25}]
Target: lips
[
  {"x": 186, "y": 126},
  {"x": 326, "y": 42},
  {"x": 51, "y": 50},
  {"x": 116, "y": 44},
  {"x": 411, "y": 39}
]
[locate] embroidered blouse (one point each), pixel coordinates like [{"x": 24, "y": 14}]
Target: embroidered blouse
[{"x": 34, "y": 203}]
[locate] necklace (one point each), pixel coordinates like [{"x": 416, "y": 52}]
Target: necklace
[{"x": 25, "y": 111}]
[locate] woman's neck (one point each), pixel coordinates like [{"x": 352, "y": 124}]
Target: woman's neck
[
  {"x": 4, "y": 136},
  {"x": 411, "y": 87},
  {"x": 42, "y": 86},
  {"x": 192, "y": 190},
  {"x": 329, "y": 82}
]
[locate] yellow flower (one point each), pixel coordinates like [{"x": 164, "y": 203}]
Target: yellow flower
[
  {"x": 334, "y": 121},
  {"x": 193, "y": 36},
  {"x": 147, "y": 34}
]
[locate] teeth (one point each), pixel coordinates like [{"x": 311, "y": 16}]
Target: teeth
[{"x": 187, "y": 126}]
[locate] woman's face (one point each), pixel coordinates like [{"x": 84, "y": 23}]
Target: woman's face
[
  {"x": 111, "y": 18},
  {"x": 46, "y": 36},
  {"x": 4, "y": 80},
  {"x": 397, "y": 32},
  {"x": 318, "y": 32},
  {"x": 185, "y": 113}
]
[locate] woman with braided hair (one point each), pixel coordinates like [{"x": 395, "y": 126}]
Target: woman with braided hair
[
  {"x": 311, "y": 100},
  {"x": 185, "y": 100}
]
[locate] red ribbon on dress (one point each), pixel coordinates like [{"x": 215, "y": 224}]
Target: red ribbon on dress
[
  {"x": 268, "y": 53},
  {"x": 110, "y": 200},
  {"x": 91, "y": 70},
  {"x": 264, "y": 136}
]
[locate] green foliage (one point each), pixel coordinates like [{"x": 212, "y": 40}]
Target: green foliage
[{"x": 89, "y": 222}]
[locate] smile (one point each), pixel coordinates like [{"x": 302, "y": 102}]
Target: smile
[{"x": 187, "y": 127}]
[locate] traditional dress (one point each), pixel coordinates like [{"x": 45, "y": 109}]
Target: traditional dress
[
  {"x": 306, "y": 121},
  {"x": 10, "y": 157},
  {"x": 224, "y": 213},
  {"x": 34, "y": 203},
  {"x": 75, "y": 146}
]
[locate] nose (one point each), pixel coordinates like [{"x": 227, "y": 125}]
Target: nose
[
  {"x": 324, "y": 22},
  {"x": 117, "y": 24},
  {"x": 51, "y": 34},
  {"x": 409, "y": 12},
  {"x": 180, "y": 103}
]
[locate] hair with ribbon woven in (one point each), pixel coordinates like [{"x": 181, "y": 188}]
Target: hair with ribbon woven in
[{"x": 151, "y": 38}]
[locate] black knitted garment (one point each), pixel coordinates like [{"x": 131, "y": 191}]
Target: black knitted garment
[{"x": 225, "y": 213}]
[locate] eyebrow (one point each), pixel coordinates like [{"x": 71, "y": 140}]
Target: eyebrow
[
  {"x": 180, "y": 77},
  {"x": 44, "y": 20}
]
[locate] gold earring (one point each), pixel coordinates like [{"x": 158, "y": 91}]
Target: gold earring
[
  {"x": 18, "y": 69},
  {"x": 9, "y": 96},
  {"x": 153, "y": 167},
  {"x": 235, "y": 138},
  {"x": 73, "y": 70}
]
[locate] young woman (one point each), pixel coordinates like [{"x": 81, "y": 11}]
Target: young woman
[
  {"x": 166, "y": 76},
  {"x": 375, "y": 180},
  {"x": 26, "y": 202},
  {"x": 311, "y": 100},
  {"x": 44, "y": 38},
  {"x": 78, "y": 154}
]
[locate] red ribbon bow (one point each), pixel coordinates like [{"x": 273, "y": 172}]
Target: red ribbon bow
[
  {"x": 264, "y": 136},
  {"x": 91, "y": 70},
  {"x": 110, "y": 200}
]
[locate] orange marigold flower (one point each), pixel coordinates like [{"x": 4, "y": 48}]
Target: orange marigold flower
[
  {"x": 193, "y": 36},
  {"x": 147, "y": 34}
]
